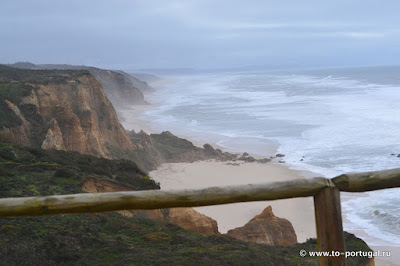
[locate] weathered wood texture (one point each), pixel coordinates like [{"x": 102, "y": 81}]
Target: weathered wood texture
[
  {"x": 156, "y": 199},
  {"x": 328, "y": 217},
  {"x": 102, "y": 202},
  {"x": 360, "y": 182}
]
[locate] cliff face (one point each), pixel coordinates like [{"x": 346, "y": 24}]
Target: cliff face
[
  {"x": 139, "y": 81},
  {"x": 187, "y": 218},
  {"x": 64, "y": 110},
  {"x": 155, "y": 149},
  {"x": 121, "y": 88},
  {"x": 266, "y": 228}
]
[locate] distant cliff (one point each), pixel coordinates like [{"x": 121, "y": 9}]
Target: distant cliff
[
  {"x": 155, "y": 149},
  {"x": 59, "y": 109},
  {"x": 140, "y": 81},
  {"x": 121, "y": 88}
]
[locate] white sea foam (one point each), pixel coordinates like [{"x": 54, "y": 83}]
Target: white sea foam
[
  {"x": 378, "y": 214},
  {"x": 324, "y": 123}
]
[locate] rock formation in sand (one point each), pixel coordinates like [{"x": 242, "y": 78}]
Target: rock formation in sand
[
  {"x": 187, "y": 218},
  {"x": 266, "y": 228}
]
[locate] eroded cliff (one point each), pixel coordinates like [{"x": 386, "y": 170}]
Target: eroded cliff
[
  {"x": 121, "y": 88},
  {"x": 59, "y": 109}
]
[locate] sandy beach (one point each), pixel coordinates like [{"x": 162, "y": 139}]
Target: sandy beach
[
  {"x": 300, "y": 212},
  {"x": 209, "y": 173}
]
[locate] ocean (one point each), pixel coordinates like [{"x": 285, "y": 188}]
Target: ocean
[{"x": 327, "y": 121}]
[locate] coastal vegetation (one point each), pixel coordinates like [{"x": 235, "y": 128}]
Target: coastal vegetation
[{"x": 110, "y": 238}]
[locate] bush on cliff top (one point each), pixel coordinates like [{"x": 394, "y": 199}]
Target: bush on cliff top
[{"x": 34, "y": 171}]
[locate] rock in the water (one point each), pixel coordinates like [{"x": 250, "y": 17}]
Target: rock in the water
[
  {"x": 266, "y": 228},
  {"x": 280, "y": 155}
]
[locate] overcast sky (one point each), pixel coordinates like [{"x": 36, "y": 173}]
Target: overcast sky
[{"x": 200, "y": 34}]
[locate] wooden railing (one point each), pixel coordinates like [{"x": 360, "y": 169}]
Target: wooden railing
[{"x": 326, "y": 193}]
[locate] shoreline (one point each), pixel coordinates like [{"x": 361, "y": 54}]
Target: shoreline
[
  {"x": 234, "y": 215},
  {"x": 212, "y": 173}
]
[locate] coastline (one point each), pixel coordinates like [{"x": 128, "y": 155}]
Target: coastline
[{"x": 299, "y": 212}]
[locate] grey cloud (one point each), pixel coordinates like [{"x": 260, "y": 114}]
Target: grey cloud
[{"x": 200, "y": 34}]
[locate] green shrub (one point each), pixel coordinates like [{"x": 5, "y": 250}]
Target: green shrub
[{"x": 64, "y": 172}]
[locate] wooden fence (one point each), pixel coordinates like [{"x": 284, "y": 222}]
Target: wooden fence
[{"x": 326, "y": 193}]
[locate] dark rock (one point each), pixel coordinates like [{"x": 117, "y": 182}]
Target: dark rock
[
  {"x": 250, "y": 159},
  {"x": 264, "y": 160},
  {"x": 218, "y": 151},
  {"x": 280, "y": 155},
  {"x": 281, "y": 161},
  {"x": 245, "y": 154},
  {"x": 234, "y": 164},
  {"x": 209, "y": 150},
  {"x": 167, "y": 133}
]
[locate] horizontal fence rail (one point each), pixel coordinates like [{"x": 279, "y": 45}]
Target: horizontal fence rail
[
  {"x": 326, "y": 193},
  {"x": 157, "y": 199},
  {"x": 368, "y": 181}
]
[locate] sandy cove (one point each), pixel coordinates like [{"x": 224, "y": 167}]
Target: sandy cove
[{"x": 300, "y": 211}]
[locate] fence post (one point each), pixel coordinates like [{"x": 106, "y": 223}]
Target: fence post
[{"x": 328, "y": 217}]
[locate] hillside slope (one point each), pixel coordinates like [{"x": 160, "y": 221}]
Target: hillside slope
[{"x": 110, "y": 238}]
